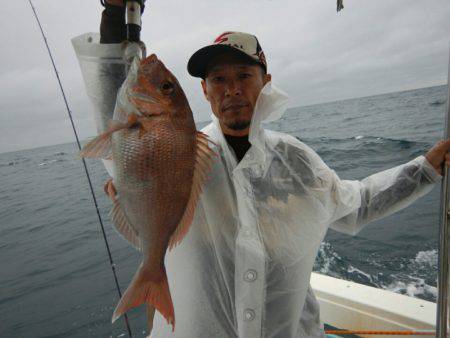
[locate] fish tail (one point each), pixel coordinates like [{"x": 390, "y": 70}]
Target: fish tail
[{"x": 154, "y": 291}]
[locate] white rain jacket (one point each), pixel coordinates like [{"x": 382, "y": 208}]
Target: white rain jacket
[{"x": 243, "y": 269}]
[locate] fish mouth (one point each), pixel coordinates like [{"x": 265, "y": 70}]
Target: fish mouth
[
  {"x": 150, "y": 59},
  {"x": 141, "y": 97}
]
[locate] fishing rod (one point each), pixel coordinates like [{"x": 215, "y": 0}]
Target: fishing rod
[
  {"x": 111, "y": 261},
  {"x": 133, "y": 11}
]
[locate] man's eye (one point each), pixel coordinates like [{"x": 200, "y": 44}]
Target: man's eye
[
  {"x": 218, "y": 78},
  {"x": 245, "y": 75}
]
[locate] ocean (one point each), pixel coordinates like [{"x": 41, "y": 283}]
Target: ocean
[{"x": 56, "y": 280}]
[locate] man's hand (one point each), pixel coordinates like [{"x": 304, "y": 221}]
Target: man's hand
[{"x": 438, "y": 154}]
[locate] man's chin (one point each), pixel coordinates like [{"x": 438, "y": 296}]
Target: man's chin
[{"x": 238, "y": 125}]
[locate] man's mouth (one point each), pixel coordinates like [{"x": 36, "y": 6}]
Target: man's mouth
[{"x": 234, "y": 106}]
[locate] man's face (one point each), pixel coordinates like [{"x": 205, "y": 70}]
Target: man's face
[{"x": 232, "y": 86}]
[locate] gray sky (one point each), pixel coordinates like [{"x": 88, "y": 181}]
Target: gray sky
[{"x": 314, "y": 54}]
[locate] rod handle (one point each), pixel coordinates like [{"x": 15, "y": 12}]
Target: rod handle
[{"x": 133, "y": 10}]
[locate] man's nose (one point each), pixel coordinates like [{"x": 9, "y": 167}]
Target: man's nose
[{"x": 233, "y": 88}]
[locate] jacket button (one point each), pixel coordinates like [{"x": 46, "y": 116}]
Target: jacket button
[
  {"x": 250, "y": 275},
  {"x": 249, "y": 315}
]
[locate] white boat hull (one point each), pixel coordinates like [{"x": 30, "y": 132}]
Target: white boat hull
[{"x": 352, "y": 306}]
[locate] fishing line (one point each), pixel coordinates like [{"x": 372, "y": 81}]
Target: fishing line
[{"x": 111, "y": 262}]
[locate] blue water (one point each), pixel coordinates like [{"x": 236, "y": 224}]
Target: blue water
[{"x": 56, "y": 280}]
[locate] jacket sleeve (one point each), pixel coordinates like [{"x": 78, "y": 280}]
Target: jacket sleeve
[
  {"x": 112, "y": 25},
  {"x": 379, "y": 195}
]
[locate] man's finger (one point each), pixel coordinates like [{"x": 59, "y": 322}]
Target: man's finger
[
  {"x": 119, "y": 3},
  {"x": 447, "y": 141},
  {"x": 443, "y": 145}
]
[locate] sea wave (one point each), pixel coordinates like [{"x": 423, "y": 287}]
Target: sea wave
[
  {"x": 409, "y": 282},
  {"x": 47, "y": 162},
  {"x": 364, "y": 138},
  {"x": 327, "y": 260},
  {"x": 14, "y": 161},
  {"x": 438, "y": 102},
  {"x": 414, "y": 288},
  {"x": 429, "y": 258},
  {"x": 47, "y": 159}
]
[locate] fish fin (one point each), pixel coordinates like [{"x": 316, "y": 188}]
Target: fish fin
[
  {"x": 142, "y": 290},
  {"x": 110, "y": 189},
  {"x": 100, "y": 147},
  {"x": 201, "y": 136},
  {"x": 150, "y": 317},
  {"x": 203, "y": 163},
  {"x": 122, "y": 224}
]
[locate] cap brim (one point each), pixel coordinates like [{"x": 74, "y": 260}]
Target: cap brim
[{"x": 200, "y": 59}]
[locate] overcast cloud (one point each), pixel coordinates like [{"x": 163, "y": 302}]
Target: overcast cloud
[{"x": 314, "y": 54}]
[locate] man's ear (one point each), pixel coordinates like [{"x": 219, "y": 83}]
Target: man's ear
[
  {"x": 267, "y": 78},
  {"x": 205, "y": 92}
]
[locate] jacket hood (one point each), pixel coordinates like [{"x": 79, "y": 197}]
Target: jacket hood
[{"x": 270, "y": 106}]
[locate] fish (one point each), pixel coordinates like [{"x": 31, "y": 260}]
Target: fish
[{"x": 160, "y": 164}]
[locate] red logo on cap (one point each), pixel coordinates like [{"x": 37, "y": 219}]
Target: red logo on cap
[
  {"x": 222, "y": 37},
  {"x": 262, "y": 57}
]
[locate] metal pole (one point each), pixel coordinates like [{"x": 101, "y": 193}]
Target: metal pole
[{"x": 443, "y": 263}]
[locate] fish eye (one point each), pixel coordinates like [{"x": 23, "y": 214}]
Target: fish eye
[{"x": 167, "y": 87}]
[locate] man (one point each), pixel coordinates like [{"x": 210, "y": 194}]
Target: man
[{"x": 243, "y": 270}]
